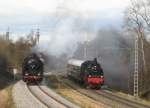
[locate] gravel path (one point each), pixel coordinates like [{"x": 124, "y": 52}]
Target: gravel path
[{"x": 23, "y": 98}]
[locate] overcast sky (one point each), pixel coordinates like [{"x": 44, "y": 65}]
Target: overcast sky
[{"x": 23, "y": 15}]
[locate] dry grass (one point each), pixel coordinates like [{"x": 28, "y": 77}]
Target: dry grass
[
  {"x": 74, "y": 96},
  {"x": 130, "y": 97},
  {"x": 80, "y": 99},
  {"x": 6, "y": 100},
  {"x": 3, "y": 98},
  {"x": 10, "y": 102}
]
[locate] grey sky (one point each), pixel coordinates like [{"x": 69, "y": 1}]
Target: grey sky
[{"x": 23, "y": 15}]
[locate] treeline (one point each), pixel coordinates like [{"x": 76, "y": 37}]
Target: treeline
[{"x": 12, "y": 53}]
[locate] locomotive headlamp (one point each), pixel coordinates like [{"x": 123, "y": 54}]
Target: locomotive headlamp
[
  {"x": 102, "y": 76},
  {"x": 26, "y": 74},
  {"x": 89, "y": 76}
]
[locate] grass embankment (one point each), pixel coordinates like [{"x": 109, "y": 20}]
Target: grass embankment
[
  {"x": 6, "y": 100},
  {"x": 71, "y": 94}
]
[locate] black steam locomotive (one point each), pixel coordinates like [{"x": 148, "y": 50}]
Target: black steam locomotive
[
  {"x": 32, "y": 69},
  {"x": 89, "y": 73}
]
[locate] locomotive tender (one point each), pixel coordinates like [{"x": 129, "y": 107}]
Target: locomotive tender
[
  {"x": 89, "y": 73},
  {"x": 32, "y": 69}
]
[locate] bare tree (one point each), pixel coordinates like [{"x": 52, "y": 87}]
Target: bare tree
[
  {"x": 137, "y": 20},
  {"x": 137, "y": 16}
]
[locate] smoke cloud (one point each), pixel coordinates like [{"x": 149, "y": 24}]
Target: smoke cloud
[
  {"x": 66, "y": 40},
  {"x": 63, "y": 39}
]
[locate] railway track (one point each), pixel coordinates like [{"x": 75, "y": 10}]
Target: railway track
[
  {"x": 87, "y": 93},
  {"x": 103, "y": 96},
  {"x": 50, "y": 101},
  {"x": 40, "y": 100},
  {"x": 107, "y": 97},
  {"x": 82, "y": 93},
  {"x": 127, "y": 102}
]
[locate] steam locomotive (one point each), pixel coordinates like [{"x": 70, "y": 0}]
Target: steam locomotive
[
  {"x": 88, "y": 73},
  {"x": 32, "y": 69}
]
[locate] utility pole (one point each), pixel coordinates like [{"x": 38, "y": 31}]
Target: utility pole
[
  {"x": 85, "y": 50},
  {"x": 37, "y": 35},
  {"x": 7, "y": 35},
  {"x": 136, "y": 70},
  {"x": 143, "y": 57},
  {"x": 86, "y": 40},
  {"x": 138, "y": 38},
  {"x": 85, "y": 46}
]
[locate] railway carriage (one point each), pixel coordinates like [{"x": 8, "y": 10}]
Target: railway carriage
[{"x": 89, "y": 73}]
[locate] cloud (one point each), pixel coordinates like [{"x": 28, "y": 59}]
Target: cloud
[
  {"x": 85, "y": 7},
  {"x": 23, "y": 15},
  {"x": 11, "y": 7}
]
